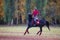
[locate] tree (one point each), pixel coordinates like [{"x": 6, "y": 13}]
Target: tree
[
  {"x": 8, "y": 10},
  {"x": 41, "y": 4},
  {"x": 28, "y": 7}
]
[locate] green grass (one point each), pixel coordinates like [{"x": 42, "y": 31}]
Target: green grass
[{"x": 54, "y": 31}]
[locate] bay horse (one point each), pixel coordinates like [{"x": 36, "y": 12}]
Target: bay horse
[{"x": 38, "y": 23}]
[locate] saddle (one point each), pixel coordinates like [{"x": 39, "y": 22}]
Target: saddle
[{"x": 37, "y": 22}]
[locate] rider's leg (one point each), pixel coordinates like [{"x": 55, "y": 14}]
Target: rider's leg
[{"x": 35, "y": 18}]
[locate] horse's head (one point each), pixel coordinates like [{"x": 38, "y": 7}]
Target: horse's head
[{"x": 30, "y": 17}]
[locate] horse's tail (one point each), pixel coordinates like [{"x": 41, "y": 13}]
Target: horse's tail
[{"x": 47, "y": 24}]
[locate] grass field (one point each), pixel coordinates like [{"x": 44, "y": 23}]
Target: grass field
[{"x": 17, "y": 32}]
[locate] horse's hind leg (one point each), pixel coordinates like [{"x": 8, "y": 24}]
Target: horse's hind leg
[
  {"x": 40, "y": 31},
  {"x": 27, "y": 30},
  {"x": 47, "y": 24}
]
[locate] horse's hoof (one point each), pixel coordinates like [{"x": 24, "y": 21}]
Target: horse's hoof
[
  {"x": 28, "y": 32},
  {"x": 39, "y": 34},
  {"x": 25, "y": 33}
]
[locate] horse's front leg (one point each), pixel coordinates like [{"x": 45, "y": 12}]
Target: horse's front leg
[{"x": 27, "y": 30}]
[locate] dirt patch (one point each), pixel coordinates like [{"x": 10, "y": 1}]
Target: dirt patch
[{"x": 28, "y": 38}]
